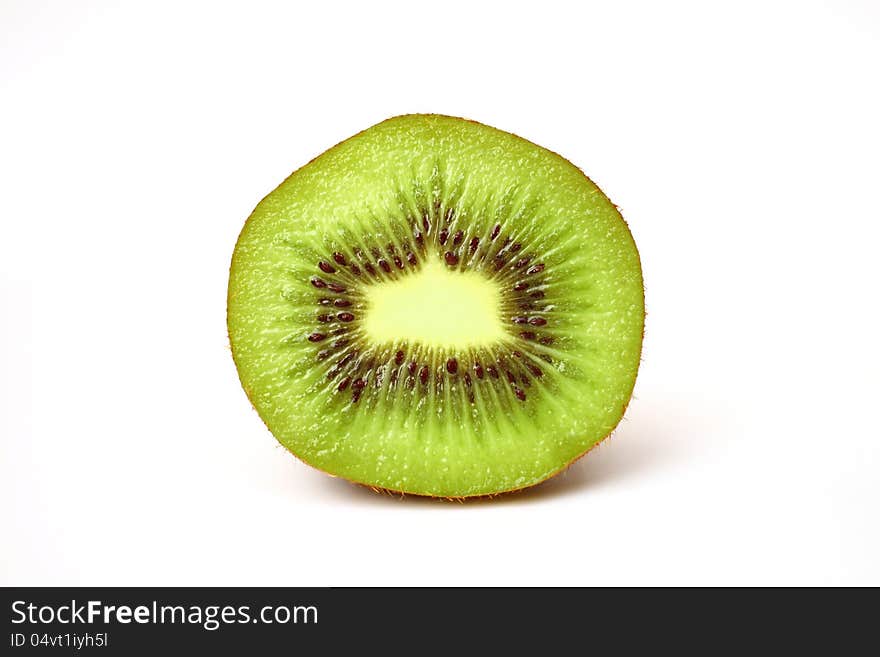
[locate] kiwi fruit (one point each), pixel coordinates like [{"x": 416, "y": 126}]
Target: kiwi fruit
[{"x": 437, "y": 307}]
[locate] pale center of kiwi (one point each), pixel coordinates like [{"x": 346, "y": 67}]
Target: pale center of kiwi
[{"x": 437, "y": 307}]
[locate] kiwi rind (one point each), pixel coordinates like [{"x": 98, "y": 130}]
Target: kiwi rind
[{"x": 260, "y": 400}]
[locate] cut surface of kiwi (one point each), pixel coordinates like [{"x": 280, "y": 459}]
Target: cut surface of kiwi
[{"x": 437, "y": 307}]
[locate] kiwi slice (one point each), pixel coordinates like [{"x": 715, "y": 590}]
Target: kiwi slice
[{"x": 437, "y": 307}]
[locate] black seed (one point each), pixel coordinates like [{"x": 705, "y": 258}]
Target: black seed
[
  {"x": 356, "y": 395},
  {"x": 525, "y": 381},
  {"x": 343, "y": 384},
  {"x": 339, "y": 258},
  {"x": 411, "y": 258},
  {"x": 467, "y": 379},
  {"x": 426, "y": 224},
  {"x": 451, "y": 258},
  {"x": 516, "y": 247},
  {"x": 519, "y": 394},
  {"x": 371, "y": 270},
  {"x": 355, "y": 269},
  {"x": 384, "y": 265},
  {"x": 546, "y": 340},
  {"x": 318, "y": 283},
  {"x": 475, "y": 242},
  {"x": 495, "y": 232},
  {"x": 492, "y": 371},
  {"x": 452, "y": 366},
  {"x": 457, "y": 238},
  {"x": 345, "y": 360},
  {"x": 325, "y": 318},
  {"x": 339, "y": 331},
  {"x": 326, "y": 267},
  {"x": 522, "y": 262},
  {"x": 538, "y": 321},
  {"x": 375, "y": 252},
  {"x": 527, "y": 335},
  {"x": 537, "y": 269},
  {"x": 341, "y": 303},
  {"x": 520, "y": 320},
  {"x": 510, "y": 376},
  {"x": 393, "y": 378},
  {"x": 471, "y": 396},
  {"x": 443, "y": 236},
  {"x": 334, "y": 287},
  {"x": 358, "y": 384},
  {"x": 398, "y": 358},
  {"x": 499, "y": 261},
  {"x": 517, "y": 354},
  {"x": 322, "y": 355},
  {"x": 333, "y": 372},
  {"x": 519, "y": 287},
  {"x": 344, "y": 317},
  {"x": 537, "y": 294},
  {"x": 339, "y": 343},
  {"x": 317, "y": 337},
  {"x": 419, "y": 239},
  {"x": 398, "y": 262},
  {"x": 478, "y": 370},
  {"x": 535, "y": 370},
  {"x": 390, "y": 248},
  {"x": 423, "y": 374}
]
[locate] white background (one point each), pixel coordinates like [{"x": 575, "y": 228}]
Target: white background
[{"x": 740, "y": 142}]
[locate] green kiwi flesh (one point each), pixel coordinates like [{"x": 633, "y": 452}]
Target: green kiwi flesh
[{"x": 437, "y": 307}]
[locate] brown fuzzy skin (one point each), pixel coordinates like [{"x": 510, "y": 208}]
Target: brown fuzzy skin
[{"x": 477, "y": 496}]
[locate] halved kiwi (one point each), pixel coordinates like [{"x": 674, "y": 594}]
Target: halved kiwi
[{"x": 437, "y": 307}]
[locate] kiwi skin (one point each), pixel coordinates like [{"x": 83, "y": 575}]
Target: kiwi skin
[{"x": 451, "y": 498}]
